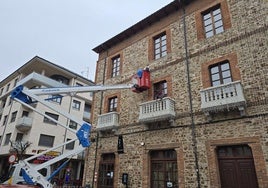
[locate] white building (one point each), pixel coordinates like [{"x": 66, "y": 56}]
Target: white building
[{"x": 18, "y": 123}]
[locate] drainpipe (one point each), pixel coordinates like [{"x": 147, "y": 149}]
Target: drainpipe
[
  {"x": 100, "y": 112},
  {"x": 194, "y": 141}
]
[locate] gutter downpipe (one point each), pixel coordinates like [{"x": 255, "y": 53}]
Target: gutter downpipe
[
  {"x": 190, "y": 96},
  {"x": 100, "y": 112}
]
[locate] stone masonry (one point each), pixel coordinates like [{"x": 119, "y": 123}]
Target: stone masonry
[{"x": 193, "y": 135}]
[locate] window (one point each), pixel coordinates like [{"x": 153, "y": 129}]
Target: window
[
  {"x": 19, "y": 137},
  {"x": 60, "y": 79},
  {"x": 4, "y": 102},
  {"x": 78, "y": 84},
  {"x": 73, "y": 125},
  {"x": 55, "y": 98},
  {"x": 76, "y": 105},
  {"x": 220, "y": 73},
  {"x": 164, "y": 169},
  {"x": 8, "y": 86},
  {"x": 5, "y": 120},
  {"x": 160, "y": 89},
  {"x": 160, "y": 46},
  {"x": 87, "y": 108},
  {"x": 112, "y": 106},
  {"x": 15, "y": 82},
  {"x": 54, "y": 116},
  {"x": 236, "y": 151},
  {"x": 1, "y": 91},
  {"x": 25, "y": 114},
  {"x": 213, "y": 23},
  {"x": 46, "y": 140},
  {"x": 227, "y": 72},
  {"x": 13, "y": 116},
  {"x": 213, "y": 20},
  {"x": 69, "y": 146},
  {"x": 9, "y": 102},
  {"x": 8, "y": 136},
  {"x": 115, "y": 66}
]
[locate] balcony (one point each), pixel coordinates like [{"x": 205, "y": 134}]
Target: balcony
[
  {"x": 108, "y": 121},
  {"x": 24, "y": 124},
  {"x": 224, "y": 97},
  {"x": 157, "y": 110},
  {"x": 86, "y": 115}
]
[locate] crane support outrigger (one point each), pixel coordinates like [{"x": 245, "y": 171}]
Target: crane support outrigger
[{"x": 27, "y": 96}]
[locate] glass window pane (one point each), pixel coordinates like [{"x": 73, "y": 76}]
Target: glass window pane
[
  {"x": 209, "y": 34},
  {"x": 215, "y": 77},
  {"x": 247, "y": 151},
  {"x": 208, "y": 22},
  {"x": 219, "y": 30},
  {"x": 157, "y": 56},
  {"x": 225, "y": 66},
  {"x": 227, "y": 80},
  {"x": 157, "y": 40},
  {"x": 218, "y": 24},
  {"x": 161, "y": 176},
  {"x": 157, "y": 45},
  {"x": 207, "y": 16},
  {"x": 214, "y": 70},
  {"x": 208, "y": 28},
  {"x": 217, "y": 17},
  {"x": 217, "y": 11},
  {"x": 155, "y": 184},
  {"x": 216, "y": 83},
  {"x": 226, "y": 74},
  {"x": 161, "y": 184},
  {"x": 164, "y": 37}
]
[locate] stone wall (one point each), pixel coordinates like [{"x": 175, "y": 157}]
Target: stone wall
[{"x": 243, "y": 43}]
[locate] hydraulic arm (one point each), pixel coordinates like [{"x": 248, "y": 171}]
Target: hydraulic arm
[{"x": 27, "y": 96}]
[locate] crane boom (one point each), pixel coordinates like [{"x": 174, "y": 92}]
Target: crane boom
[{"x": 27, "y": 96}]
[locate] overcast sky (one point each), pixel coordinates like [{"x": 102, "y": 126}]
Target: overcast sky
[{"x": 64, "y": 32}]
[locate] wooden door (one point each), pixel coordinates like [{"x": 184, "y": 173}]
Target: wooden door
[{"x": 236, "y": 168}]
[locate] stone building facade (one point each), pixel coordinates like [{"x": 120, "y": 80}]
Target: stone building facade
[{"x": 204, "y": 121}]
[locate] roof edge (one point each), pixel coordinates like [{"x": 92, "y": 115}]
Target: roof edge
[{"x": 141, "y": 25}]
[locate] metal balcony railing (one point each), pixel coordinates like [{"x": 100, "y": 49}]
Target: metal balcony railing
[
  {"x": 24, "y": 124},
  {"x": 223, "y": 97},
  {"x": 108, "y": 121},
  {"x": 157, "y": 110}
]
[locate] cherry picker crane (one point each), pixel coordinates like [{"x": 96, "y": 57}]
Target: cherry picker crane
[{"x": 27, "y": 96}]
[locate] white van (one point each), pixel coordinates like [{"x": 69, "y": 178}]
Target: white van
[{"x": 14, "y": 175}]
